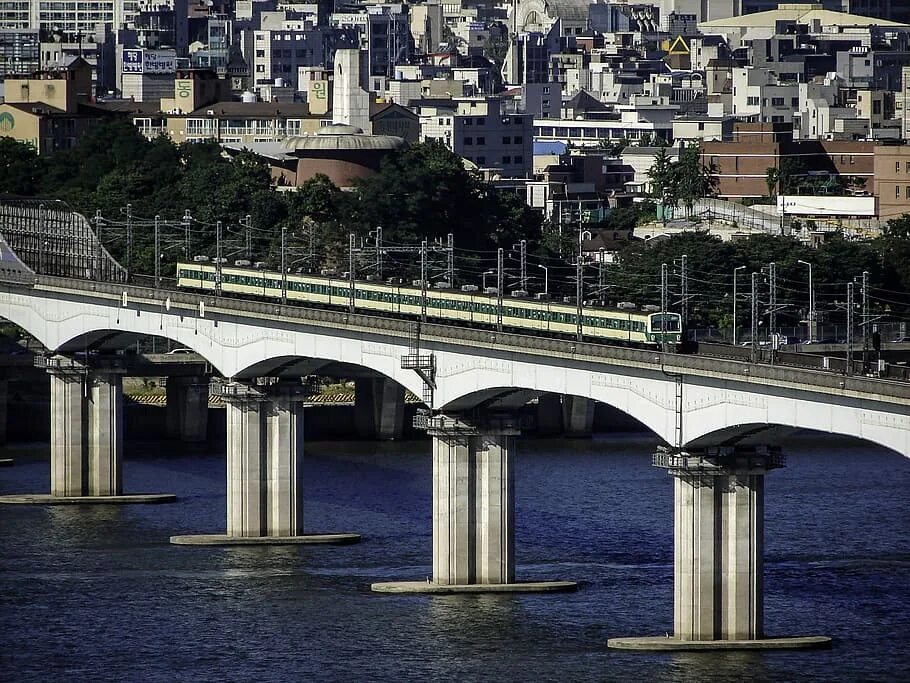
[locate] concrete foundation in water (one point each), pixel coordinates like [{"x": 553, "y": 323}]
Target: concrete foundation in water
[
  {"x": 224, "y": 540},
  {"x": 47, "y": 499},
  {"x": 432, "y": 588},
  {"x": 670, "y": 644}
]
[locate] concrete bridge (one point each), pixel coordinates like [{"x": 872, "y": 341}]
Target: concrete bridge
[{"x": 721, "y": 421}]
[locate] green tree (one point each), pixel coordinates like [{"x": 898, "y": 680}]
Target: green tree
[
  {"x": 664, "y": 179},
  {"x": 20, "y": 171},
  {"x": 694, "y": 180}
]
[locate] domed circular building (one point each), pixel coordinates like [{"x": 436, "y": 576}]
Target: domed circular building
[{"x": 343, "y": 153}]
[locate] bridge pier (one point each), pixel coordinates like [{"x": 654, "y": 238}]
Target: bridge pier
[
  {"x": 187, "y": 408},
  {"x": 549, "y": 415},
  {"x": 379, "y": 408},
  {"x": 578, "y": 416},
  {"x": 264, "y": 464},
  {"x": 4, "y": 400},
  {"x": 718, "y": 595},
  {"x": 86, "y": 436},
  {"x": 473, "y": 510}
]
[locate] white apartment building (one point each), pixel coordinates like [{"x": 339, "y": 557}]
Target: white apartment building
[
  {"x": 479, "y": 131},
  {"x": 759, "y": 97},
  {"x": 277, "y": 54},
  {"x": 69, "y": 17}
]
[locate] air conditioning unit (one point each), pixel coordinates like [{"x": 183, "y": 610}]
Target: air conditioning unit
[
  {"x": 443, "y": 284},
  {"x": 394, "y": 281},
  {"x": 243, "y": 263},
  {"x": 327, "y": 271},
  {"x": 491, "y": 290},
  {"x": 259, "y": 265},
  {"x": 519, "y": 294},
  {"x": 542, "y": 296},
  {"x": 469, "y": 288},
  {"x": 200, "y": 259},
  {"x": 626, "y": 305},
  {"x": 651, "y": 308}
]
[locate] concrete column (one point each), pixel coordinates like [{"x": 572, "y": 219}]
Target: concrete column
[
  {"x": 378, "y": 408},
  {"x": 549, "y": 415},
  {"x": 187, "y": 408},
  {"x": 265, "y": 458},
  {"x": 4, "y": 399},
  {"x": 719, "y": 542},
  {"x": 473, "y": 501},
  {"x": 578, "y": 416},
  {"x": 86, "y": 433}
]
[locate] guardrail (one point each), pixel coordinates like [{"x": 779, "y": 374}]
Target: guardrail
[{"x": 436, "y": 335}]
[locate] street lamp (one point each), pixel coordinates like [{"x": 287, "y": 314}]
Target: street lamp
[
  {"x": 735, "y": 271},
  {"x": 813, "y": 323},
  {"x": 546, "y": 278},
  {"x": 488, "y": 272}
]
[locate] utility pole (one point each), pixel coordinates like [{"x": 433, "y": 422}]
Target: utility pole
[
  {"x": 735, "y": 300},
  {"x": 378, "y": 246},
  {"x": 579, "y": 281},
  {"x": 601, "y": 271},
  {"x": 129, "y": 242},
  {"x": 249, "y": 237},
  {"x": 218, "y": 258},
  {"x": 99, "y": 248},
  {"x": 423, "y": 281},
  {"x": 351, "y": 298},
  {"x": 499, "y": 284},
  {"x": 754, "y": 317},
  {"x": 284, "y": 265},
  {"x": 684, "y": 291},
  {"x": 772, "y": 306},
  {"x": 849, "y": 340},
  {"x": 157, "y": 252},
  {"x": 524, "y": 265},
  {"x": 41, "y": 240},
  {"x": 187, "y": 218},
  {"x": 664, "y": 300},
  {"x": 450, "y": 263},
  {"x": 867, "y": 338}
]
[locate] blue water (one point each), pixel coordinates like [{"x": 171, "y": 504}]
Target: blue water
[{"x": 98, "y": 594}]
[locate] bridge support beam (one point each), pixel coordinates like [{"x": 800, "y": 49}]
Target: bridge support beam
[
  {"x": 86, "y": 436},
  {"x": 264, "y": 465},
  {"x": 187, "y": 408},
  {"x": 549, "y": 415},
  {"x": 4, "y": 401},
  {"x": 578, "y": 416},
  {"x": 379, "y": 408},
  {"x": 718, "y": 594},
  {"x": 473, "y": 510},
  {"x": 86, "y": 433}
]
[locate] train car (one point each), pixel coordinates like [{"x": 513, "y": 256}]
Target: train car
[{"x": 543, "y": 317}]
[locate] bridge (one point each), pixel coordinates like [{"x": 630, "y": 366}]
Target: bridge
[{"x": 721, "y": 420}]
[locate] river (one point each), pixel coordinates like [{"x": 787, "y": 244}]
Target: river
[{"x": 97, "y": 593}]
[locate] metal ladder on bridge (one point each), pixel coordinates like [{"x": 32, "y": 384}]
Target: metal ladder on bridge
[{"x": 423, "y": 364}]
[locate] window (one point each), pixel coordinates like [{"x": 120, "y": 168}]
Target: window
[
  {"x": 302, "y": 53},
  {"x": 794, "y": 101},
  {"x": 897, "y": 191},
  {"x": 519, "y": 140},
  {"x": 907, "y": 192},
  {"x": 907, "y": 166},
  {"x": 701, "y": 125},
  {"x": 468, "y": 122},
  {"x": 897, "y": 166},
  {"x": 469, "y": 141},
  {"x": 546, "y": 90},
  {"x": 752, "y": 101},
  {"x": 852, "y": 160},
  {"x": 508, "y": 160},
  {"x": 506, "y": 140},
  {"x": 260, "y": 53},
  {"x": 519, "y": 159},
  {"x": 481, "y": 141},
  {"x": 777, "y": 101},
  {"x": 481, "y": 122}
]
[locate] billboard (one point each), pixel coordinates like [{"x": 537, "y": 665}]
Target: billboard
[
  {"x": 149, "y": 62},
  {"x": 826, "y": 206}
]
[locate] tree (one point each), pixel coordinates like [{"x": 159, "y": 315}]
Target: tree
[
  {"x": 694, "y": 180},
  {"x": 19, "y": 168},
  {"x": 772, "y": 178},
  {"x": 664, "y": 179}
]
